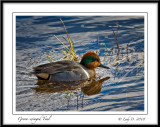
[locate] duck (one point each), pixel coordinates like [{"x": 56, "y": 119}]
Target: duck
[{"x": 68, "y": 70}]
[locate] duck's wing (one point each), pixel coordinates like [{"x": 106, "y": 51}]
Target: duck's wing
[{"x": 56, "y": 67}]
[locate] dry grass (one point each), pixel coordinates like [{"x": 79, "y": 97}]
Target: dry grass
[{"x": 70, "y": 52}]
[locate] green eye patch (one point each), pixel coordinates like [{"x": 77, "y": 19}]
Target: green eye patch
[{"x": 88, "y": 60}]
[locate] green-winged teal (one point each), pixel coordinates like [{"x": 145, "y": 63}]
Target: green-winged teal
[{"x": 67, "y": 70}]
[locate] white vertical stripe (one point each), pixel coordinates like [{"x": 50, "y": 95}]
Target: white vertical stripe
[{"x": 85, "y": 72}]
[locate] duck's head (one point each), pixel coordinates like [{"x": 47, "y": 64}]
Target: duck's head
[{"x": 91, "y": 60}]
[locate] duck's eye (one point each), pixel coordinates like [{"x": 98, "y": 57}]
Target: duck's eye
[{"x": 94, "y": 59}]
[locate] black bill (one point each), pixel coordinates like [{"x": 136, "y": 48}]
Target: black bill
[{"x": 103, "y": 66}]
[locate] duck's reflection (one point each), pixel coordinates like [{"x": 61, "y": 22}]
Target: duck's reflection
[
  {"x": 93, "y": 87},
  {"x": 90, "y": 87}
]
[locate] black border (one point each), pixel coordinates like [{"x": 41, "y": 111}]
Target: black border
[{"x": 82, "y": 1}]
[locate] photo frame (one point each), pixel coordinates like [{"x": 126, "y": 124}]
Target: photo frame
[{"x": 9, "y": 63}]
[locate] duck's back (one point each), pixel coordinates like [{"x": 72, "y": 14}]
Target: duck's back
[{"x": 65, "y": 70}]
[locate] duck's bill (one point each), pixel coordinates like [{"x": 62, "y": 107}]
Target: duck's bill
[{"x": 103, "y": 66}]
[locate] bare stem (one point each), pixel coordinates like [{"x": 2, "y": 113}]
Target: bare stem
[
  {"x": 97, "y": 43},
  {"x": 116, "y": 39}
]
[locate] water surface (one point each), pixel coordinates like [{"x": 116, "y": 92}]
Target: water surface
[{"x": 122, "y": 86}]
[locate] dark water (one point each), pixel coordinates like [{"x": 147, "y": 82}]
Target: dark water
[{"x": 121, "y": 88}]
